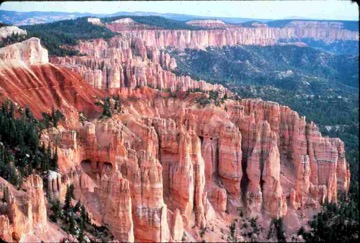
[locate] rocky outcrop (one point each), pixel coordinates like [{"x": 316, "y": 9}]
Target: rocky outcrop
[
  {"x": 29, "y": 52},
  {"x": 211, "y": 23},
  {"x": 164, "y": 166},
  {"x": 221, "y": 34},
  {"x": 23, "y": 213},
  {"x": 327, "y": 31},
  {"x": 128, "y": 64},
  {"x": 7, "y": 31},
  {"x": 127, "y": 24},
  {"x": 42, "y": 87},
  {"x": 94, "y": 21},
  {"x": 116, "y": 206}
]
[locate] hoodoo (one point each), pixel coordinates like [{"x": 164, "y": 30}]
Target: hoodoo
[{"x": 140, "y": 153}]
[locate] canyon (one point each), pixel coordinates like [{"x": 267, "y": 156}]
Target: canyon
[
  {"x": 221, "y": 34},
  {"x": 164, "y": 168}
]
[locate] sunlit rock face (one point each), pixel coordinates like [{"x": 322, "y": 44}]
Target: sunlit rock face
[
  {"x": 29, "y": 52},
  {"x": 217, "y": 33},
  {"x": 7, "y": 31},
  {"x": 126, "y": 63},
  {"x": 164, "y": 166}
]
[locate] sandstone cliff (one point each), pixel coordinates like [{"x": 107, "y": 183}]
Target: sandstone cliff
[
  {"x": 29, "y": 52},
  {"x": 127, "y": 63},
  {"x": 10, "y": 30},
  {"x": 168, "y": 165},
  {"x": 24, "y": 214},
  {"x": 211, "y": 23},
  {"x": 237, "y": 35},
  {"x": 164, "y": 167}
]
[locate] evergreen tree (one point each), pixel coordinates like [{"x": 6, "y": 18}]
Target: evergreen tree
[
  {"x": 232, "y": 237},
  {"x": 68, "y": 197},
  {"x": 77, "y": 207},
  {"x": 81, "y": 235},
  {"x": 106, "y": 108},
  {"x": 85, "y": 219},
  {"x": 56, "y": 210},
  {"x": 54, "y": 161},
  {"x": 72, "y": 223}
]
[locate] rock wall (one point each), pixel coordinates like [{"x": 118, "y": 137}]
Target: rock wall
[
  {"x": 23, "y": 213},
  {"x": 127, "y": 63},
  {"x": 164, "y": 165},
  {"x": 7, "y": 31},
  {"x": 29, "y": 52},
  {"x": 261, "y": 35},
  {"x": 180, "y": 168}
]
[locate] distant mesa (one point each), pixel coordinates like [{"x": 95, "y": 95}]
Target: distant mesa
[
  {"x": 258, "y": 25},
  {"x": 209, "y": 23},
  {"x": 124, "y": 21},
  {"x": 95, "y": 21},
  {"x": 9, "y": 30}
]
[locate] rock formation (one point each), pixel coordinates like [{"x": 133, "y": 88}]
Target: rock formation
[
  {"x": 211, "y": 23},
  {"x": 29, "y": 52},
  {"x": 7, "y": 31},
  {"x": 164, "y": 166},
  {"x": 126, "y": 63},
  {"x": 24, "y": 214},
  {"x": 237, "y": 35},
  {"x": 94, "y": 21}
]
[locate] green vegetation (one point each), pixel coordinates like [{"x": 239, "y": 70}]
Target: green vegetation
[
  {"x": 277, "y": 228},
  {"x": 339, "y": 47},
  {"x": 14, "y": 38},
  {"x": 67, "y": 32},
  {"x": 3, "y": 24},
  {"x": 232, "y": 237},
  {"x": 20, "y": 151},
  {"x": 75, "y": 219},
  {"x": 321, "y": 86},
  {"x": 110, "y": 106},
  {"x": 156, "y": 21},
  {"x": 348, "y": 25},
  {"x": 52, "y": 119},
  {"x": 336, "y": 223},
  {"x": 284, "y": 67}
]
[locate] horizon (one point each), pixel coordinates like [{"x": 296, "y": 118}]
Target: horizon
[{"x": 316, "y": 10}]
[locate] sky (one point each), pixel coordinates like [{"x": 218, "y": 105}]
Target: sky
[{"x": 330, "y": 9}]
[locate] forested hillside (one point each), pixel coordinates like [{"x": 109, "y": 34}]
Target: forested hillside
[{"x": 67, "y": 32}]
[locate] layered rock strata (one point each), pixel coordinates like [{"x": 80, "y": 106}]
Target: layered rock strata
[
  {"x": 7, "y": 31},
  {"x": 23, "y": 213},
  {"x": 200, "y": 162},
  {"x": 127, "y": 63},
  {"x": 165, "y": 166},
  {"x": 235, "y": 35},
  {"x": 29, "y": 52}
]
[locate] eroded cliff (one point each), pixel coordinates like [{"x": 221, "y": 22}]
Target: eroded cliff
[{"x": 164, "y": 168}]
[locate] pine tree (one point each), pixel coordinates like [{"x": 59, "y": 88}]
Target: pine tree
[
  {"x": 54, "y": 117},
  {"x": 77, "y": 207},
  {"x": 4, "y": 194},
  {"x": 106, "y": 108},
  {"x": 54, "y": 160},
  {"x": 85, "y": 219},
  {"x": 81, "y": 235},
  {"x": 72, "y": 223},
  {"x": 56, "y": 210},
  {"x": 68, "y": 197}
]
